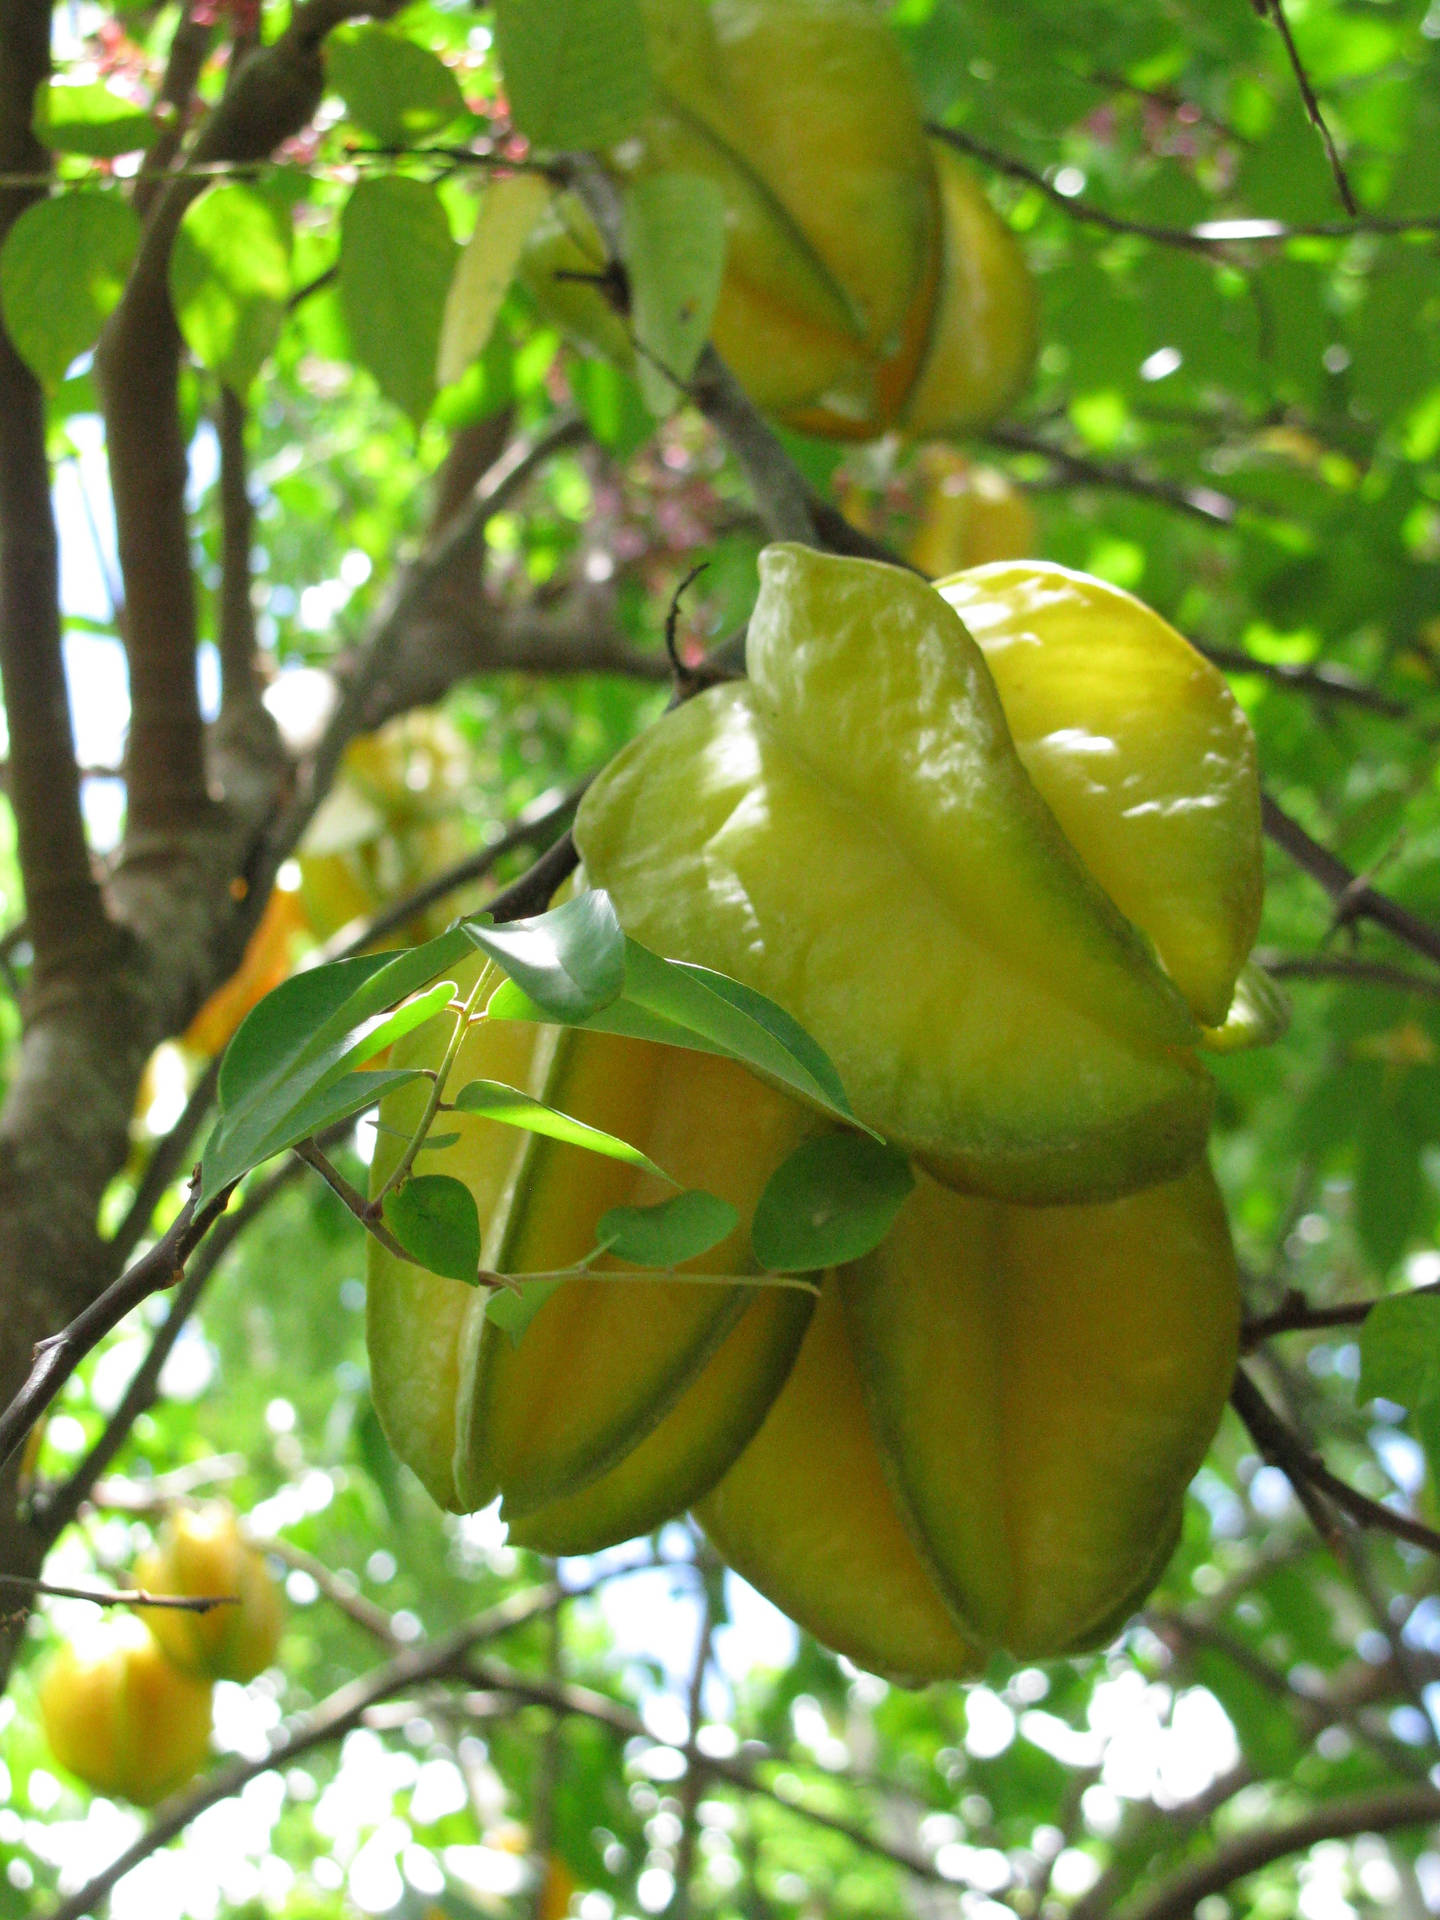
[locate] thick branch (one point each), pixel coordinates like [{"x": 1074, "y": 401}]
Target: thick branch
[
  {"x": 67, "y": 921},
  {"x": 235, "y": 614},
  {"x": 1384, "y": 1812}
]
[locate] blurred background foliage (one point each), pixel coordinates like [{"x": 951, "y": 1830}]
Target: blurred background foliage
[{"x": 1237, "y": 416}]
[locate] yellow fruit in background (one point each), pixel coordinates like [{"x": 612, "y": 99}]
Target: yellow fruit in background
[
  {"x": 121, "y": 1716},
  {"x": 268, "y": 959},
  {"x": 984, "y": 329},
  {"x": 200, "y": 1552},
  {"x": 968, "y": 515},
  {"x": 392, "y": 820},
  {"x": 867, "y": 281}
]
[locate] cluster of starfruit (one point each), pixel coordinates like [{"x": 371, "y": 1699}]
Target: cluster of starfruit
[
  {"x": 127, "y": 1709},
  {"x": 995, "y": 845},
  {"x": 867, "y": 283}
]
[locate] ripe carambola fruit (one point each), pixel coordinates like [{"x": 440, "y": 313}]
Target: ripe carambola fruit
[
  {"x": 557, "y": 1423},
  {"x": 802, "y": 112},
  {"x": 987, "y": 1436},
  {"x": 199, "y": 1553},
  {"x": 853, "y": 832},
  {"x": 121, "y": 1716}
]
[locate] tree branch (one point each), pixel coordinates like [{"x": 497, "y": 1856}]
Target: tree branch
[
  {"x": 53, "y": 1514},
  {"x": 1216, "y": 509},
  {"x": 68, "y": 925},
  {"x": 1382, "y": 1812},
  {"x": 1274, "y": 11},
  {"x": 1282, "y": 1447},
  {"x": 1354, "y": 897},
  {"x": 57, "y": 1358}
]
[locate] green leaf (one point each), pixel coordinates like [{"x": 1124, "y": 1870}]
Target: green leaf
[
  {"x": 680, "y": 1005},
  {"x": 512, "y": 1309},
  {"x": 62, "y": 269},
  {"x": 675, "y": 255},
  {"x": 397, "y": 258},
  {"x": 278, "y": 1078},
  {"x": 91, "y": 119},
  {"x": 665, "y": 1235},
  {"x": 509, "y": 208},
  {"x": 392, "y": 86},
  {"x": 612, "y": 405},
  {"x": 230, "y": 280},
  {"x": 1400, "y": 1351},
  {"x": 569, "y": 962},
  {"x": 833, "y": 1200},
  {"x": 494, "y": 1101},
  {"x": 1389, "y": 1185},
  {"x": 577, "y": 75},
  {"x": 434, "y": 1218}
]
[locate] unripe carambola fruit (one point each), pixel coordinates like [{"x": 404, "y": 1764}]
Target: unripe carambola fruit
[
  {"x": 199, "y": 1552},
  {"x": 558, "y": 1422},
  {"x": 986, "y": 1439},
  {"x": 121, "y": 1717},
  {"x": 853, "y": 832}
]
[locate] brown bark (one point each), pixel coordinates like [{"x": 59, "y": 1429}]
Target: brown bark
[{"x": 62, "y": 901}]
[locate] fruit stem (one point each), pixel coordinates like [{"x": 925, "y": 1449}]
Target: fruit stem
[{"x": 400, "y": 1172}]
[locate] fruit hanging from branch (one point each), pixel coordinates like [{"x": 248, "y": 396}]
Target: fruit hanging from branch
[
  {"x": 1006, "y": 871},
  {"x": 199, "y": 1553},
  {"x": 867, "y": 281},
  {"x": 121, "y": 1716}
]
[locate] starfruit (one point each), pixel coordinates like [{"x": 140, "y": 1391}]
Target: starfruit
[
  {"x": 987, "y": 1436},
  {"x": 121, "y": 1717},
  {"x": 200, "y": 1553},
  {"x": 867, "y": 281},
  {"x": 557, "y": 1421},
  {"x": 853, "y": 832}
]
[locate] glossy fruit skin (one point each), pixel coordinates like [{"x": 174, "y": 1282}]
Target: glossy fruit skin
[
  {"x": 121, "y": 1717},
  {"x": 476, "y": 1414},
  {"x": 986, "y": 1440},
  {"x": 852, "y": 832},
  {"x": 1141, "y": 752},
  {"x": 199, "y": 1551}
]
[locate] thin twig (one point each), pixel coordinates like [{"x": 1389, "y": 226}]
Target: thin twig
[
  {"x": 1216, "y": 509},
  {"x": 122, "y": 1596},
  {"x": 53, "y": 1514},
  {"x": 1354, "y": 898},
  {"x": 1213, "y": 237},
  {"x": 1296, "y": 1315},
  {"x": 1274, "y": 11},
  {"x": 1308, "y": 1475},
  {"x": 1331, "y": 682},
  {"x": 57, "y": 1358},
  {"x": 1346, "y": 966}
]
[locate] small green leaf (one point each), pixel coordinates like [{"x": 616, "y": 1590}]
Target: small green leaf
[
  {"x": 577, "y": 75},
  {"x": 833, "y": 1200},
  {"x": 569, "y": 962},
  {"x": 665, "y": 1235},
  {"x": 1400, "y": 1351},
  {"x": 675, "y": 256},
  {"x": 1259, "y": 1013},
  {"x": 62, "y": 269},
  {"x": 434, "y": 1218},
  {"x": 680, "y": 1005},
  {"x": 509, "y": 208},
  {"x": 513, "y": 1308},
  {"x": 494, "y": 1101},
  {"x": 91, "y": 119},
  {"x": 392, "y": 86},
  {"x": 397, "y": 258},
  {"x": 230, "y": 279}
]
